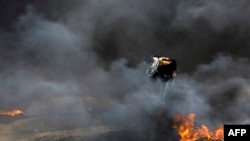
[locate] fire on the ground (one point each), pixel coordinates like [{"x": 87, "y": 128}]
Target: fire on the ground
[
  {"x": 189, "y": 132},
  {"x": 13, "y": 112}
]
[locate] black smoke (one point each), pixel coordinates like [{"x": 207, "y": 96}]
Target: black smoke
[
  {"x": 178, "y": 28},
  {"x": 86, "y": 57}
]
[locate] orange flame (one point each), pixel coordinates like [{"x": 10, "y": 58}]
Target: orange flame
[
  {"x": 13, "y": 112},
  {"x": 188, "y": 131}
]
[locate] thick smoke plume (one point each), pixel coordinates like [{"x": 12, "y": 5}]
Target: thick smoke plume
[{"x": 85, "y": 58}]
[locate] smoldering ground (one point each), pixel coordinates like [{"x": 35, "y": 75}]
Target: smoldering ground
[{"x": 85, "y": 58}]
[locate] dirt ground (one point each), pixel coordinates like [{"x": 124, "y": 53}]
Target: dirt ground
[{"x": 21, "y": 130}]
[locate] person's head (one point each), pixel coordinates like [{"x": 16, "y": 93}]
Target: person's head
[{"x": 156, "y": 55}]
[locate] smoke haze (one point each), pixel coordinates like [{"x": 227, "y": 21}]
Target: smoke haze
[{"x": 86, "y": 57}]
